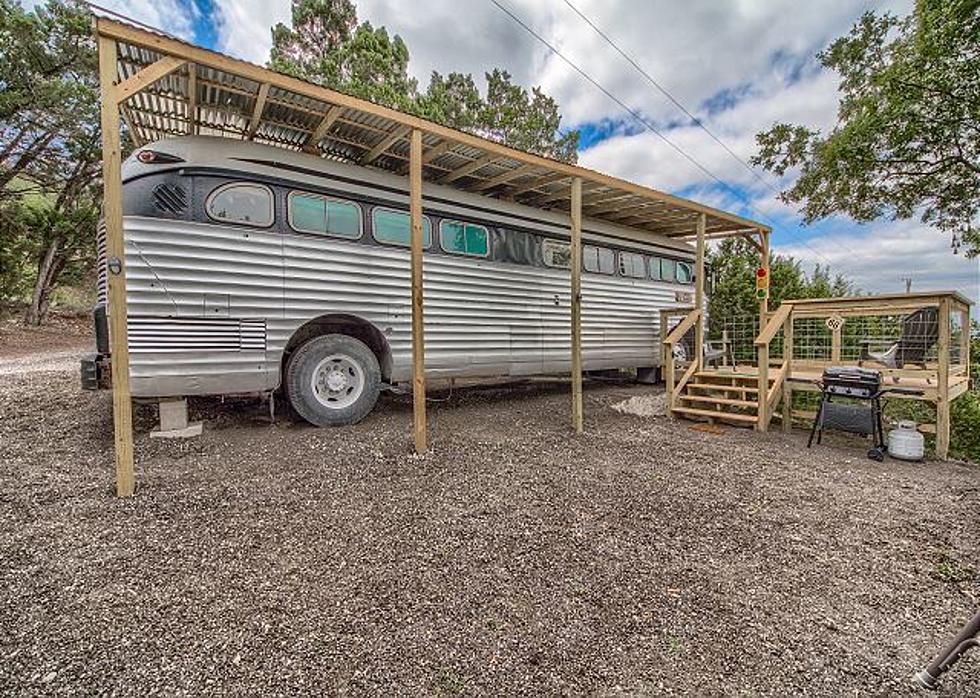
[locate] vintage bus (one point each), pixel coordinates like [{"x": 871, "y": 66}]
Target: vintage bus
[{"x": 251, "y": 269}]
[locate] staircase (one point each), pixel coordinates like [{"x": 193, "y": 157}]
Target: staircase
[{"x": 720, "y": 395}]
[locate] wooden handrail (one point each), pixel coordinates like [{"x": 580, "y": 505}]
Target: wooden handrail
[
  {"x": 669, "y": 341},
  {"x": 772, "y": 326},
  {"x": 682, "y": 327},
  {"x": 676, "y": 393}
]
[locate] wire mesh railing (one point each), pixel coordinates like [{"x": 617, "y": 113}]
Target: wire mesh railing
[{"x": 890, "y": 340}]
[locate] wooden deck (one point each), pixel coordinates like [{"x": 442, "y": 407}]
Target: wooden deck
[{"x": 749, "y": 394}]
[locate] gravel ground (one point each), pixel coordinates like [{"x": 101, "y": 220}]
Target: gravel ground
[{"x": 642, "y": 558}]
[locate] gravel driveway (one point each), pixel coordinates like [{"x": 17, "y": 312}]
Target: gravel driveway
[{"x": 643, "y": 558}]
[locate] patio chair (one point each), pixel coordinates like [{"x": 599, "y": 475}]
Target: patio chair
[
  {"x": 920, "y": 331},
  {"x": 714, "y": 350}
]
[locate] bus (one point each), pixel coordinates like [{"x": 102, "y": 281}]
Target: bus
[{"x": 252, "y": 269}]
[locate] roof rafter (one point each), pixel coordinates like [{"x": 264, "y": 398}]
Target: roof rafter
[
  {"x": 469, "y": 168},
  {"x": 504, "y": 178},
  {"x": 146, "y": 77},
  {"x": 253, "y": 123},
  {"x": 538, "y": 183},
  {"x": 333, "y": 113},
  {"x": 385, "y": 143}
]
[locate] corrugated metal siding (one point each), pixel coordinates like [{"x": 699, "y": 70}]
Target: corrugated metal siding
[{"x": 481, "y": 318}]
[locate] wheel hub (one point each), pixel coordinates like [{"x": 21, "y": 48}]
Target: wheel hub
[{"x": 337, "y": 381}]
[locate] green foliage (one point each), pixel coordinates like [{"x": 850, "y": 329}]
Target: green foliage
[
  {"x": 326, "y": 45},
  {"x": 732, "y": 266},
  {"x": 50, "y": 150},
  {"x": 907, "y": 140}
]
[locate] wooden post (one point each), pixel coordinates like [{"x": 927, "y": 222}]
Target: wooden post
[
  {"x": 835, "y": 339},
  {"x": 763, "y": 351},
  {"x": 965, "y": 339},
  {"x": 699, "y": 293},
  {"x": 788, "y": 362},
  {"x": 724, "y": 346},
  {"x": 576, "y": 306},
  {"x": 942, "y": 389},
  {"x": 122, "y": 408},
  {"x": 418, "y": 330}
]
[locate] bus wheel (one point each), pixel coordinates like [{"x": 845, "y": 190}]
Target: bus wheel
[{"x": 332, "y": 380}]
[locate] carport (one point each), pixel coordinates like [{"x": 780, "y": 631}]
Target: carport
[{"x": 161, "y": 87}]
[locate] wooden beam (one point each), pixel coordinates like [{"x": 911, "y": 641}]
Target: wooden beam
[
  {"x": 430, "y": 154},
  {"x": 503, "y": 178},
  {"x": 762, "y": 350},
  {"x": 192, "y": 98},
  {"x": 144, "y": 78},
  {"x": 384, "y": 144},
  {"x": 576, "y": 304},
  {"x": 253, "y": 123},
  {"x": 122, "y": 408},
  {"x": 333, "y": 113},
  {"x": 606, "y": 206},
  {"x": 468, "y": 168},
  {"x": 699, "y": 292},
  {"x": 418, "y": 329},
  {"x": 538, "y": 183},
  {"x": 437, "y": 150},
  {"x": 788, "y": 365},
  {"x": 174, "y": 47},
  {"x": 942, "y": 388},
  {"x": 131, "y": 127}
]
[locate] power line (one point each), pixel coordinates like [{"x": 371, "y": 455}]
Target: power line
[
  {"x": 644, "y": 122},
  {"x": 636, "y": 115},
  {"x": 666, "y": 93}
]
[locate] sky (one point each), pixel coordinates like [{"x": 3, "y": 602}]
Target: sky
[{"x": 737, "y": 65}]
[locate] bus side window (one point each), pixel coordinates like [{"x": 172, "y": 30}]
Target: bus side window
[
  {"x": 242, "y": 202},
  {"x": 668, "y": 270},
  {"x": 468, "y": 239},
  {"x": 599, "y": 260},
  {"x": 684, "y": 273},
  {"x": 556, "y": 254},
  {"x": 395, "y": 227},
  {"x": 632, "y": 265},
  {"x": 311, "y": 213}
]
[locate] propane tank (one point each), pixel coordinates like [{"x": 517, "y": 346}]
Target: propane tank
[{"x": 905, "y": 442}]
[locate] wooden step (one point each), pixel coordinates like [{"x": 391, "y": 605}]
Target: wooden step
[
  {"x": 719, "y": 386},
  {"x": 744, "y": 377},
  {"x": 712, "y": 414},
  {"x": 719, "y": 400}
]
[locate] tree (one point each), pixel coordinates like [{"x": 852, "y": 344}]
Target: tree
[
  {"x": 732, "y": 268},
  {"x": 326, "y": 45},
  {"x": 50, "y": 148},
  {"x": 907, "y": 139}
]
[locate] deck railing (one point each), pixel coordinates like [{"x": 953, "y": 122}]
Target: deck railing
[
  {"x": 670, "y": 339},
  {"x": 803, "y": 337}
]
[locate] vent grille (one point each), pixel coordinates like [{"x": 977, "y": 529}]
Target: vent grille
[
  {"x": 159, "y": 334},
  {"x": 170, "y": 198}
]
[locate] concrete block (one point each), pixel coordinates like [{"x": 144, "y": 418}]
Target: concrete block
[{"x": 173, "y": 421}]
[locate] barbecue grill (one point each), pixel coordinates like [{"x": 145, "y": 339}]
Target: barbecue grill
[{"x": 862, "y": 385}]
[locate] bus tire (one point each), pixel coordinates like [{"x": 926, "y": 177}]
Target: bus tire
[{"x": 332, "y": 380}]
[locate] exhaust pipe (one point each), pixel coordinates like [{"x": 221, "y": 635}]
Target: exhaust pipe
[{"x": 960, "y": 645}]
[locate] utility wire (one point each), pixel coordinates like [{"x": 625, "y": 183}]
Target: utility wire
[
  {"x": 666, "y": 93},
  {"x": 646, "y": 123}
]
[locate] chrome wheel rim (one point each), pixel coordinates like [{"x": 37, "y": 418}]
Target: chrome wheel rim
[{"x": 337, "y": 381}]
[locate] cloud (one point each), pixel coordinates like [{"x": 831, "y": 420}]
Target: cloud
[
  {"x": 878, "y": 256},
  {"x": 175, "y": 17}
]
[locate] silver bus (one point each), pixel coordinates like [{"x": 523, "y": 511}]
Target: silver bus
[{"x": 251, "y": 269}]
